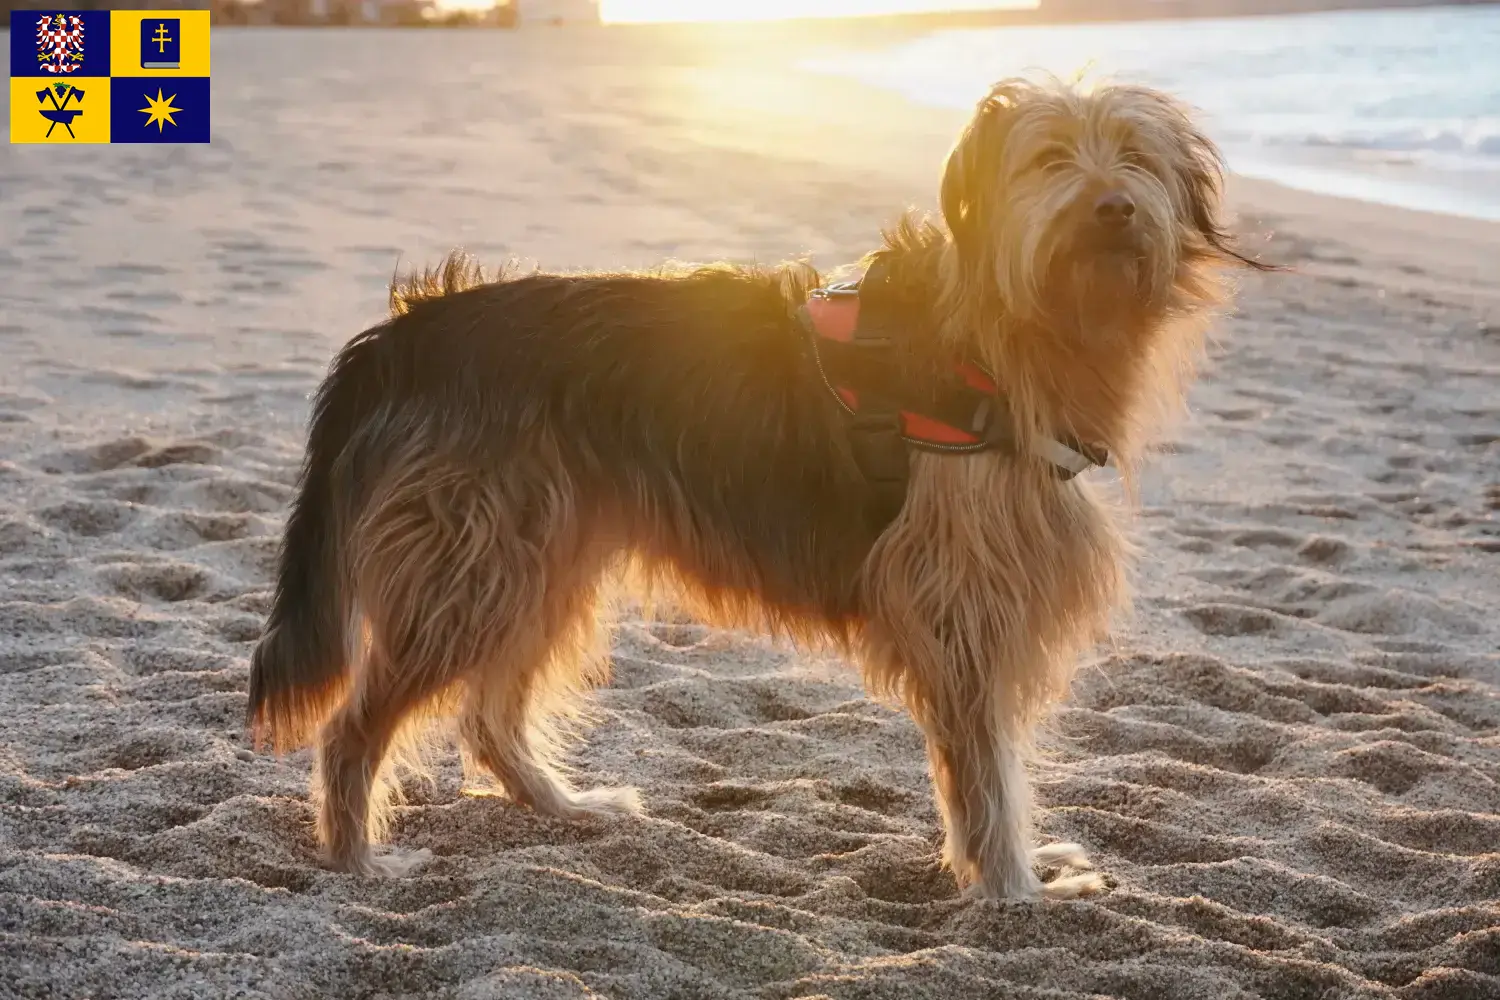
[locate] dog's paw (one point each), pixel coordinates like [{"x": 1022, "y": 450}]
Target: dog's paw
[
  {"x": 1065, "y": 855},
  {"x": 608, "y": 802},
  {"x": 1074, "y": 886},
  {"x": 393, "y": 862}
]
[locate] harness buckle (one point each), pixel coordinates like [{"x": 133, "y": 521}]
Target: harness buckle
[{"x": 842, "y": 288}]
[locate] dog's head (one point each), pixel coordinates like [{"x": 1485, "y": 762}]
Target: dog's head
[{"x": 1063, "y": 201}]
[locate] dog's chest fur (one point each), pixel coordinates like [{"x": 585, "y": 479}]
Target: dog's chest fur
[{"x": 998, "y": 568}]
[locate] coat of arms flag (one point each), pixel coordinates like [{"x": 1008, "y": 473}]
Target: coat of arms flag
[{"x": 109, "y": 76}]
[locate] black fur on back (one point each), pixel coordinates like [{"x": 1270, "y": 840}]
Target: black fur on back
[
  {"x": 698, "y": 385},
  {"x": 685, "y": 406}
]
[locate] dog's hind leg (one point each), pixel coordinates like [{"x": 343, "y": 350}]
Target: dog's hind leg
[
  {"x": 419, "y": 577},
  {"x": 351, "y": 779},
  {"x": 449, "y": 568},
  {"x": 529, "y": 687}
]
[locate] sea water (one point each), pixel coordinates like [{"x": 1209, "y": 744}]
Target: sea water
[{"x": 1400, "y": 107}]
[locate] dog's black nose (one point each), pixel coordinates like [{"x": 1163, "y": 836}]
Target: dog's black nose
[{"x": 1114, "y": 210}]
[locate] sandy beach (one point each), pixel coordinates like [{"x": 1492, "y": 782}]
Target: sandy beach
[{"x": 1287, "y": 762}]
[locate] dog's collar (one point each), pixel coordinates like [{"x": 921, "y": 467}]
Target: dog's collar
[{"x": 963, "y": 414}]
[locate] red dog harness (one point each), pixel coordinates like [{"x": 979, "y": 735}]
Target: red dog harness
[
  {"x": 833, "y": 315},
  {"x": 890, "y": 413}
]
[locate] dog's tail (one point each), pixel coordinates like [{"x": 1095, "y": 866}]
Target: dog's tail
[{"x": 301, "y": 666}]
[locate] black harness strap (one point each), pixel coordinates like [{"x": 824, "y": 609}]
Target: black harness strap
[{"x": 875, "y": 431}]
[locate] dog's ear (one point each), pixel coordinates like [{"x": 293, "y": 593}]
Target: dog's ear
[
  {"x": 971, "y": 174},
  {"x": 1203, "y": 182}
]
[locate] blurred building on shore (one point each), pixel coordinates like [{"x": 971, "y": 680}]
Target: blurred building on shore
[
  {"x": 391, "y": 13},
  {"x": 558, "y": 11},
  {"x": 402, "y": 13}
]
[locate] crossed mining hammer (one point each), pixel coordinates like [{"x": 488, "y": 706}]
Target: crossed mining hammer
[{"x": 60, "y": 114}]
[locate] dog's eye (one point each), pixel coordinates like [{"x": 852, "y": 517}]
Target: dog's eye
[
  {"x": 1136, "y": 158},
  {"x": 1049, "y": 157}
]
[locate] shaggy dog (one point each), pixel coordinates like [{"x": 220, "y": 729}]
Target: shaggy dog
[{"x": 484, "y": 463}]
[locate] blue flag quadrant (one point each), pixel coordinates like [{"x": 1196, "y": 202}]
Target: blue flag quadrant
[
  {"x": 59, "y": 45},
  {"x": 166, "y": 109}
]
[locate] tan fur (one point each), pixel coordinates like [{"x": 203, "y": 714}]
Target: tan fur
[
  {"x": 996, "y": 577},
  {"x": 480, "y": 594}
]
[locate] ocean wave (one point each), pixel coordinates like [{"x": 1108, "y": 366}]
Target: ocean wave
[
  {"x": 1394, "y": 86},
  {"x": 1462, "y": 141},
  {"x": 1395, "y": 107}
]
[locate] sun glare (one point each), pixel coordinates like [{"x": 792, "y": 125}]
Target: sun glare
[{"x": 619, "y": 11}]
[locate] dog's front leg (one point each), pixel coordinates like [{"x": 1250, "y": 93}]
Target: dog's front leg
[
  {"x": 980, "y": 781},
  {"x": 979, "y": 774}
]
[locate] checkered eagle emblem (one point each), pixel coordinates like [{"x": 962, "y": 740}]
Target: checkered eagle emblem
[{"x": 59, "y": 42}]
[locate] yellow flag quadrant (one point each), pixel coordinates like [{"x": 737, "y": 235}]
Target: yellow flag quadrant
[
  {"x": 125, "y": 42},
  {"x": 80, "y": 114}
]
